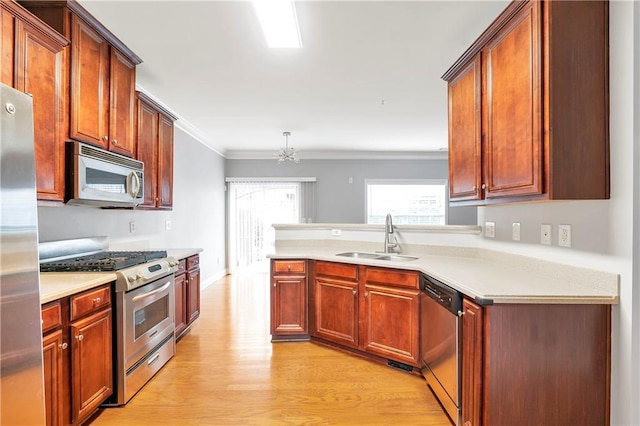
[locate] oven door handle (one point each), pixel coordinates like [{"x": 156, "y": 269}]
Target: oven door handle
[{"x": 151, "y": 293}]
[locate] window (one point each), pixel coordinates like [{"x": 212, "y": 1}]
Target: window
[{"x": 413, "y": 202}]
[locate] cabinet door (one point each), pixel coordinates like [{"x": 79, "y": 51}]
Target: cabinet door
[
  {"x": 465, "y": 137},
  {"x": 7, "y": 47},
  {"x": 193, "y": 295},
  {"x": 91, "y": 363},
  {"x": 89, "y": 85},
  {"x": 147, "y": 136},
  {"x": 180, "y": 303},
  {"x": 122, "y": 87},
  {"x": 471, "y": 364},
  {"x": 392, "y": 320},
  {"x": 165, "y": 163},
  {"x": 40, "y": 72},
  {"x": 52, "y": 351},
  {"x": 336, "y": 311},
  {"x": 514, "y": 142},
  {"x": 289, "y": 305}
]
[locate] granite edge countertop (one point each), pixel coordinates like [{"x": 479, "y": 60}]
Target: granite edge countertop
[
  {"x": 489, "y": 279},
  {"x": 56, "y": 285}
]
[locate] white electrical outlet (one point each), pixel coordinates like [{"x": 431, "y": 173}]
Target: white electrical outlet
[
  {"x": 564, "y": 235},
  {"x": 515, "y": 233},
  {"x": 545, "y": 234},
  {"x": 336, "y": 232},
  {"x": 132, "y": 227},
  {"x": 490, "y": 229},
  {"x": 168, "y": 225}
]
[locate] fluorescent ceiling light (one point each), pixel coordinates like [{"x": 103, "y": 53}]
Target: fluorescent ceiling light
[{"x": 279, "y": 23}]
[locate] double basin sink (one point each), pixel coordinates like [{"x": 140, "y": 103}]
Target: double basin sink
[{"x": 377, "y": 256}]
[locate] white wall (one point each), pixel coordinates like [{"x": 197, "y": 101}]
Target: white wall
[
  {"x": 602, "y": 230},
  {"x": 197, "y": 217}
]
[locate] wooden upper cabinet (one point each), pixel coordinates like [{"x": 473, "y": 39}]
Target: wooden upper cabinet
[
  {"x": 512, "y": 99},
  {"x": 155, "y": 149},
  {"x": 89, "y": 84},
  {"x": 516, "y": 132},
  {"x": 165, "y": 163},
  {"x": 33, "y": 61},
  {"x": 465, "y": 170},
  {"x": 102, "y": 77},
  {"x": 122, "y": 87}
]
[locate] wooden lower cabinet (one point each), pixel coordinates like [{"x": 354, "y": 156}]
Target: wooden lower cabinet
[
  {"x": 91, "y": 363},
  {"x": 374, "y": 310},
  {"x": 77, "y": 354},
  {"x": 53, "y": 349},
  {"x": 187, "y": 294},
  {"x": 535, "y": 364},
  {"x": 289, "y": 300}
]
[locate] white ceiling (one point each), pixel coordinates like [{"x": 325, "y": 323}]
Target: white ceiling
[{"x": 366, "y": 80}]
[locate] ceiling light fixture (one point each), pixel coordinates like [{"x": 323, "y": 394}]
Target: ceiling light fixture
[
  {"x": 279, "y": 23},
  {"x": 286, "y": 153}
]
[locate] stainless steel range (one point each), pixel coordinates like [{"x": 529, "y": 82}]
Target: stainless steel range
[{"x": 144, "y": 306}]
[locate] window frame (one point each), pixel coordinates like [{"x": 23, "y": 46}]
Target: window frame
[{"x": 376, "y": 181}]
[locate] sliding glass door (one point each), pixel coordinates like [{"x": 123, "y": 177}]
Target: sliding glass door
[{"x": 253, "y": 207}]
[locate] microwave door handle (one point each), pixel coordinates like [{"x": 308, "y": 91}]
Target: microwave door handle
[{"x": 134, "y": 192}]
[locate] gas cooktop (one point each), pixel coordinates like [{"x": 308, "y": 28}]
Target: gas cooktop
[{"x": 102, "y": 261}]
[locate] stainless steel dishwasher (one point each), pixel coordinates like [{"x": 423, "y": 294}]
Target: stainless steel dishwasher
[{"x": 440, "y": 343}]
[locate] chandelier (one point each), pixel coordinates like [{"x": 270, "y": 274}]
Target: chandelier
[{"x": 286, "y": 153}]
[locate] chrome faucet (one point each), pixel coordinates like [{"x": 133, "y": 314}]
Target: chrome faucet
[{"x": 390, "y": 247}]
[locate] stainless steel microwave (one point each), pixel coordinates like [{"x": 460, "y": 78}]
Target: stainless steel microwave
[{"x": 101, "y": 178}]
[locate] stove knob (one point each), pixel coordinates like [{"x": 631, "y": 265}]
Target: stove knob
[
  {"x": 131, "y": 278},
  {"x": 173, "y": 263},
  {"x": 140, "y": 276}
]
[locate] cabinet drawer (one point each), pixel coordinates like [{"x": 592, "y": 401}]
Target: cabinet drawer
[
  {"x": 297, "y": 266},
  {"x": 182, "y": 266},
  {"x": 342, "y": 270},
  {"x": 51, "y": 316},
  {"x": 392, "y": 277},
  {"x": 90, "y": 301},
  {"x": 193, "y": 262}
]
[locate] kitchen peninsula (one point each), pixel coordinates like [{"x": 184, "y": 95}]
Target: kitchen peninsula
[{"x": 534, "y": 335}]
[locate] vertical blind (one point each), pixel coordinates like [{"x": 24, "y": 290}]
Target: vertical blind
[{"x": 257, "y": 203}]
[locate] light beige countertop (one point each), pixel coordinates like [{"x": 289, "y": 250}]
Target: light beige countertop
[
  {"x": 485, "y": 275},
  {"x": 182, "y": 253},
  {"x": 56, "y": 285}
]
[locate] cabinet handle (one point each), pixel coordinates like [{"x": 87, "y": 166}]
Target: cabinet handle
[
  {"x": 288, "y": 267},
  {"x": 63, "y": 346},
  {"x": 115, "y": 141},
  {"x": 484, "y": 186},
  {"x": 96, "y": 301},
  {"x": 274, "y": 284},
  {"x": 474, "y": 188},
  {"x": 366, "y": 294},
  {"x": 105, "y": 138},
  {"x": 354, "y": 292},
  {"x": 80, "y": 337},
  {"x": 460, "y": 313}
]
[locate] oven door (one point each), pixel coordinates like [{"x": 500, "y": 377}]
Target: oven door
[{"x": 148, "y": 318}]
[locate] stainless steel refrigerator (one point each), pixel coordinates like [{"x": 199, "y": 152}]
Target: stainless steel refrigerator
[{"x": 21, "y": 367}]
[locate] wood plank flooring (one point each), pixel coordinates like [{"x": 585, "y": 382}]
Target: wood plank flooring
[{"x": 227, "y": 372}]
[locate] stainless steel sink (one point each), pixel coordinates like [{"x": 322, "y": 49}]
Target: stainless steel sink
[
  {"x": 376, "y": 256},
  {"x": 359, "y": 254}
]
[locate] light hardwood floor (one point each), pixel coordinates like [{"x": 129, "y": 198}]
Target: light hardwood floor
[{"x": 227, "y": 372}]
